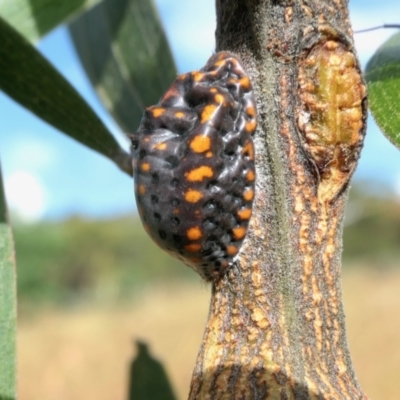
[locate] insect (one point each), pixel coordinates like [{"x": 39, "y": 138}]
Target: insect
[{"x": 193, "y": 159}]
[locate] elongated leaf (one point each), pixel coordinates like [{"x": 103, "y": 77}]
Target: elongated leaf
[
  {"x": 34, "y": 18},
  {"x": 8, "y": 314},
  {"x": 124, "y": 50},
  {"x": 148, "y": 377},
  {"x": 383, "y": 78},
  {"x": 27, "y": 77}
]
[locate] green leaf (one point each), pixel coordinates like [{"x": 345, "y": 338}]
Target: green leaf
[
  {"x": 148, "y": 378},
  {"x": 8, "y": 313},
  {"x": 27, "y": 77},
  {"x": 383, "y": 78},
  {"x": 35, "y": 18},
  {"x": 126, "y": 55}
]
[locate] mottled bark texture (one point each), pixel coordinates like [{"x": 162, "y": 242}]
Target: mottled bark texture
[{"x": 276, "y": 326}]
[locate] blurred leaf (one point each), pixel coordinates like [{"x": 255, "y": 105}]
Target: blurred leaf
[
  {"x": 27, "y": 77},
  {"x": 383, "y": 78},
  {"x": 148, "y": 378},
  {"x": 372, "y": 226},
  {"x": 34, "y": 18},
  {"x": 8, "y": 313},
  {"x": 126, "y": 55}
]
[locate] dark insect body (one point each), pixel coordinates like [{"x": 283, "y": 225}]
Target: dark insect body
[{"x": 194, "y": 169}]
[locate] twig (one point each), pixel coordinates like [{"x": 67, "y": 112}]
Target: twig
[{"x": 393, "y": 26}]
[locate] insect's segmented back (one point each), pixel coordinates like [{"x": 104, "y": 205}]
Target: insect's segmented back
[{"x": 194, "y": 165}]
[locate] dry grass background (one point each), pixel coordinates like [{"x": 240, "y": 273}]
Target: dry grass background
[{"x": 85, "y": 353}]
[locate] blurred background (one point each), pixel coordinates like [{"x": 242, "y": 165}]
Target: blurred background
[{"x": 90, "y": 282}]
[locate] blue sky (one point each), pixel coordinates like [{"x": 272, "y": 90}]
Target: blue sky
[{"x": 48, "y": 175}]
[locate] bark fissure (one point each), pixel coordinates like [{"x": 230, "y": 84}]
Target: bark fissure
[{"x": 276, "y": 323}]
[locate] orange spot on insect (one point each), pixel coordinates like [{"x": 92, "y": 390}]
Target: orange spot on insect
[
  {"x": 213, "y": 90},
  {"x": 220, "y": 99},
  {"x": 193, "y": 248},
  {"x": 179, "y": 114},
  {"x": 250, "y": 176},
  {"x": 248, "y": 195},
  {"x": 200, "y": 173},
  {"x": 142, "y": 189},
  {"x": 161, "y": 146},
  {"x": 145, "y": 167},
  {"x": 248, "y": 150},
  {"x": 193, "y": 196},
  {"x": 232, "y": 250},
  {"x": 251, "y": 126},
  {"x": 146, "y": 139},
  {"x": 245, "y": 82},
  {"x": 208, "y": 113},
  {"x": 200, "y": 143},
  {"x": 251, "y": 111},
  {"x": 194, "y": 233},
  {"x": 239, "y": 233},
  {"x": 198, "y": 76},
  {"x": 245, "y": 213},
  {"x": 176, "y": 211},
  {"x": 209, "y": 154},
  {"x": 157, "y": 112},
  {"x": 170, "y": 93}
]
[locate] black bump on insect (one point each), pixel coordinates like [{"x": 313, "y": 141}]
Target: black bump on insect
[
  {"x": 177, "y": 238},
  {"x": 209, "y": 224},
  {"x": 155, "y": 178},
  {"x": 174, "y": 182},
  {"x": 157, "y": 217},
  {"x": 172, "y": 161},
  {"x": 175, "y": 202},
  {"x": 134, "y": 143},
  {"x": 154, "y": 199},
  {"x": 210, "y": 103},
  {"x": 142, "y": 154},
  {"x": 175, "y": 221},
  {"x": 246, "y": 154},
  {"x": 210, "y": 206},
  {"x": 230, "y": 153},
  {"x": 212, "y": 186}
]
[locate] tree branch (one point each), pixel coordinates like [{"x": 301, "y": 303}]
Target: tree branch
[{"x": 276, "y": 325}]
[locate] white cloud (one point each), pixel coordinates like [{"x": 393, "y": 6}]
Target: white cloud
[
  {"x": 32, "y": 154},
  {"x": 26, "y": 196}
]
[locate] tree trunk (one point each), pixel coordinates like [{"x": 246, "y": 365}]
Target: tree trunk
[{"x": 276, "y": 326}]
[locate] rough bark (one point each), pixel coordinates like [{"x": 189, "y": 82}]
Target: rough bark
[{"x": 276, "y": 326}]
